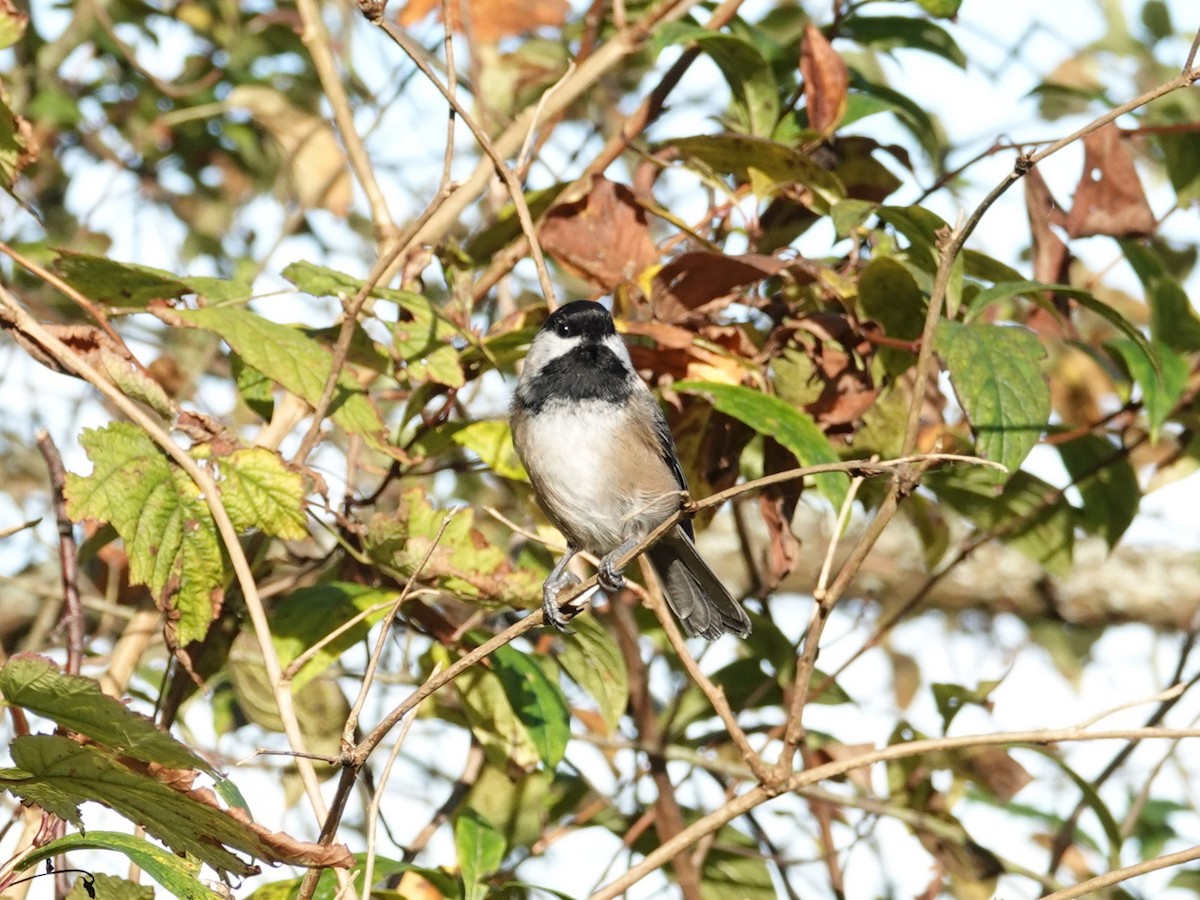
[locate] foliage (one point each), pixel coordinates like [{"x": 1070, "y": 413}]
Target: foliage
[{"x": 299, "y": 499}]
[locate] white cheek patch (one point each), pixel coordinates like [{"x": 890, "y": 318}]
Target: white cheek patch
[{"x": 546, "y": 348}]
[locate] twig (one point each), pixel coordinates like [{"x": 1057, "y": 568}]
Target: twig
[
  {"x": 1191, "y": 57},
  {"x": 715, "y": 695},
  {"x": 761, "y": 794},
  {"x": 316, "y": 39},
  {"x": 516, "y": 192},
  {"x": 1116, "y": 876},
  {"x": 68, "y": 552},
  {"x": 377, "y": 798}
]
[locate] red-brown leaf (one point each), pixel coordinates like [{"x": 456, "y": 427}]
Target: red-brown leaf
[
  {"x": 826, "y": 80},
  {"x": 603, "y": 237},
  {"x": 1109, "y": 198},
  {"x": 708, "y": 280}
]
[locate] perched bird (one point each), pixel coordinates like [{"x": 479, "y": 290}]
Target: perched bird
[{"x": 603, "y": 463}]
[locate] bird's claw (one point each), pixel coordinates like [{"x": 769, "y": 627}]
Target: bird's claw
[
  {"x": 609, "y": 576},
  {"x": 559, "y": 616}
]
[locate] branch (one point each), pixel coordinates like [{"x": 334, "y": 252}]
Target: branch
[
  {"x": 68, "y": 552},
  {"x": 759, "y": 795},
  {"x": 1116, "y": 876},
  {"x": 229, "y": 536}
]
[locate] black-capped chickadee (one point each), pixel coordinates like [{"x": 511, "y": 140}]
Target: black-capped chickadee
[{"x": 603, "y": 463}]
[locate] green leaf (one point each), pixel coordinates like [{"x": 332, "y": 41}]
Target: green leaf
[
  {"x": 1027, "y": 512},
  {"x": 888, "y": 294},
  {"x": 903, "y": 32},
  {"x": 176, "y": 874},
  {"x": 951, "y": 698},
  {"x": 15, "y": 151},
  {"x": 996, "y": 374},
  {"x": 255, "y": 388},
  {"x": 131, "y": 284},
  {"x": 1162, "y": 375},
  {"x": 911, "y": 115},
  {"x": 110, "y": 887},
  {"x": 739, "y": 154},
  {"x": 489, "y": 439},
  {"x": 484, "y": 246},
  {"x": 321, "y": 281},
  {"x": 58, "y": 774},
  {"x": 159, "y": 512},
  {"x": 507, "y": 743},
  {"x": 735, "y": 867},
  {"x": 260, "y": 491},
  {"x": 1036, "y": 291},
  {"x": 769, "y": 415},
  {"x": 923, "y": 230},
  {"x": 1173, "y": 320},
  {"x": 309, "y": 614},
  {"x": 296, "y": 362},
  {"x": 755, "y": 93},
  {"x": 537, "y": 701},
  {"x": 36, "y": 684},
  {"x": 594, "y": 661},
  {"x": 1106, "y": 481},
  {"x": 480, "y": 852},
  {"x": 12, "y": 25},
  {"x": 943, "y": 9}
]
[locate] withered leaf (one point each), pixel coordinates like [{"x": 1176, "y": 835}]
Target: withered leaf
[
  {"x": 603, "y": 237},
  {"x": 777, "y": 505},
  {"x": 1109, "y": 198},
  {"x": 826, "y": 80},
  {"x": 707, "y": 279},
  {"x": 490, "y": 20},
  {"x": 1051, "y": 258}
]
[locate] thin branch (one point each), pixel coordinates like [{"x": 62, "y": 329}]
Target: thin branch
[
  {"x": 1191, "y": 57},
  {"x": 515, "y": 190},
  {"x": 1116, "y": 876},
  {"x": 759, "y": 795},
  {"x": 316, "y": 39},
  {"x": 212, "y": 498},
  {"x": 68, "y": 552}
]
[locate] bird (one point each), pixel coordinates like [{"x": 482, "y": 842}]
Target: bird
[{"x": 604, "y": 468}]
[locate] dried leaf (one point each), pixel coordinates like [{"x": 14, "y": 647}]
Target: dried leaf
[
  {"x": 708, "y": 280},
  {"x": 1051, "y": 259},
  {"x": 1109, "y": 198},
  {"x": 490, "y": 20},
  {"x": 826, "y": 80},
  {"x": 603, "y": 237}
]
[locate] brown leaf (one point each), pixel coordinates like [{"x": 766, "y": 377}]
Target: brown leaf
[
  {"x": 1109, "y": 198},
  {"x": 490, "y": 20},
  {"x": 603, "y": 237},
  {"x": 995, "y": 770},
  {"x": 777, "y": 505},
  {"x": 708, "y": 281},
  {"x": 1050, "y": 256},
  {"x": 826, "y": 80},
  {"x": 835, "y": 752}
]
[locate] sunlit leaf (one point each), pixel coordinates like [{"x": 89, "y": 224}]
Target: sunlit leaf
[
  {"x": 594, "y": 661},
  {"x": 996, "y": 372},
  {"x": 480, "y": 852},
  {"x": 537, "y": 701},
  {"x": 789, "y": 426},
  {"x": 259, "y": 491},
  {"x": 1161, "y": 376}
]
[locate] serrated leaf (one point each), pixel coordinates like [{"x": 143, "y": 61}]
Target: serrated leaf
[
  {"x": 888, "y": 294},
  {"x": 903, "y": 32},
  {"x": 36, "y": 684},
  {"x": 160, "y": 514},
  {"x": 1000, "y": 385},
  {"x": 1162, "y": 375},
  {"x": 769, "y": 415},
  {"x": 593, "y": 660},
  {"x": 480, "y": 851},
  {"x": 59, "y": 774},
  {"x": 1106, "y": 481},
  {"x": 537, "y": 701},
  {"x": 296, "y": 362},
  {"x": 260, "y": 491},
  {"x": 176, "y": 874},
  {"x": 307, "y": 615}
]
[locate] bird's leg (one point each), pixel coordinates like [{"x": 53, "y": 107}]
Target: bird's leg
[
  {"x": 559, "y": 580},
  {"x": 610, "y": 576}
]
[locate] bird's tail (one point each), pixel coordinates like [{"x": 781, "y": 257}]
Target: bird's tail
[{"x": 700, "y": 602}]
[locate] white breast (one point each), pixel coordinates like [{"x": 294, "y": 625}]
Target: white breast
[{"x": 570, "y": 451}]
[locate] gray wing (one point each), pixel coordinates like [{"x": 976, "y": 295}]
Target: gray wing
[{"x": 666, "y": 449}]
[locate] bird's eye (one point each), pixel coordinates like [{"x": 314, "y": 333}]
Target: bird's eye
[{"x": 563, "y": 330}]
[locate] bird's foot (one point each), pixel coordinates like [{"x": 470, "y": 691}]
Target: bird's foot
[
  {"x": 556, "y": 615},
  {"x": 610, "y": 576}
]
